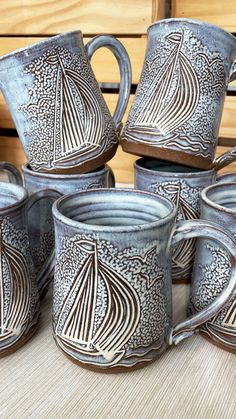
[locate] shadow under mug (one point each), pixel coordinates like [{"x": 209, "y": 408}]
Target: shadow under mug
[
  {"x": 182, "y": 185},
  {"x": 212, "y": 266},
  {"x": 178, "y": 105},
  {"x": 57, "y": 106},
  {"x": 19, "y": 297},
  {"x": 112, "y": 307},
  {"x": 41, "y": 220}
]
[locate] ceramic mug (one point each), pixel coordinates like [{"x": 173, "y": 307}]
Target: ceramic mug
[
  {"x": 58, "y": 109},
  {"x": 227, "y": 177},
  {"x": 212, "y": 267},
  {"x": 179, "y": 100},
  {"x": 40, "y": 217},
  {"x": 12, "y": 173},
  {"x": 19, "y": 298},
  {"x": 112, "y": 285},
  {"x": 182, "y": 185}
]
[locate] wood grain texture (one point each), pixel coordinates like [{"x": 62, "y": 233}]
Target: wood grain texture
[
  {"x": 218, "y": 12},
  {"x": 27, "y": 17},
  {"x": 193, "y": 380}
]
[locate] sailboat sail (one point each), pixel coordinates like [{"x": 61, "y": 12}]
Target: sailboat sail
[
  {"x": 172, "y": 96},
  {"x": 230, "y": 317},
  {"x": 121, "y": 316},
  {"x": 13, "y": 314},
  {"x": 79, "y": 119}
]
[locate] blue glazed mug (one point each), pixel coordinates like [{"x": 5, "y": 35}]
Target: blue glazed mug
[
  {"x": 182, "y": 185},
  {"x": 179, "y": 101},
  {"x": 58, "y": 109},
  {"x": 39, "y": 217},
  {"x": 112, "y": 305},
  {"x": 212, "y": 266},
  {"x": 19, "y": 296}
]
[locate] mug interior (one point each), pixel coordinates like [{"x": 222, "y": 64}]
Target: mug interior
[
  {"x": 162, "y": 166},
  {"x": 10, "y": 194},
  {"x": 113, "y": 208},
  {"x": 223, "y": 195}
]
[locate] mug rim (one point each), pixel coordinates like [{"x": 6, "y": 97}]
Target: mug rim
[
  {"x": 194, "y": 21},
  {"x": 198, "y": 173},
  {"x": 20, "y": 51},
  {"x": 19, "y": 202},
  {"x": 213, "y": 204},
  {"x": 58, "y": 216},
  {"x": 54, "y": 176}
]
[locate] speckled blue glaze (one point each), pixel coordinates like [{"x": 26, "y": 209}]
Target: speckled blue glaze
[
  {"x": 40, "y": 216},
  {"x": 182, "y": 185},
  {"x": 19, "y": 298},
  {"x": 212, "y": 267},
  {"x": 178, "y": 104},
  {"x": 58, "y": 109},
  {"x": 112, "y": 306}
]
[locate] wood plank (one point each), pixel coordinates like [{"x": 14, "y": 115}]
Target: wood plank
[
  {"x": 50, "y": 17},
  {"x": 103, "y": 62},
  {"x": 219, "y": 12}
]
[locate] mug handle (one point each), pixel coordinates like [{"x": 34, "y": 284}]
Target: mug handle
[
  {"x": 123, "y": 60},
  {"x": 229, "y": 156},
  {"x": 200, "y": 228},
  {"x": 14, "y": 174},
  {"x": 44, "y": 276},
  {"x": 111, "y": 177}
]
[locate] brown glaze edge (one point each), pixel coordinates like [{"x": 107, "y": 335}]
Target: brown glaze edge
[
  {"x": 166, "y": 154},
  {"x": 215, "y": 342},
  {"x": 85, "y": 167},
  {"x": 113, "y": 370},
  {"x": 20, "y": 342}
]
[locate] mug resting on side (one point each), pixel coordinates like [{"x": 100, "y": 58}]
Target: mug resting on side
[
  {"x": 58, "y": 109},
  {"x": 178, "y": 104},
  {"x": 40, "y": 217},
  {"x": 112, "y": 305},
  {"x": 182, "y": 185},
  {"x": 212, "y": 267}
]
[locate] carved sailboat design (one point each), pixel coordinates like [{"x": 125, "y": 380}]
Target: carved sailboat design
[
  {"x": 78, "y": 126},
  {"x": 172, "y": 95},
  {"x": 230, "y": 317},
  {"x": 15, "y": 292},
  {"x": 183, "y": 255},
  {"x": 84, "y": 328}
]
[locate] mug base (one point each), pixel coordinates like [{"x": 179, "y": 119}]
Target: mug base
[
  {"x": 24, "y": 339},
  {"x": 85, "y": 167},
  {"x": 166, "y": 154},
  {"x": 114, "y": 369},
  {"x": 216, "y": 342}
]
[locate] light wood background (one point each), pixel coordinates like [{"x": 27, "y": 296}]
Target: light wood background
[{"x": 23, "y": 22}]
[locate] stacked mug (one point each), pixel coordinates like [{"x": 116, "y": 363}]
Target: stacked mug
[{"x": 114, "y": 248}]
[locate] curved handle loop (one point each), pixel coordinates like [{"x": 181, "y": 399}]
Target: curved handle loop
[
  {"x": 200, "y": 228},
  {"x": 44, "y": 276},
  {"x": 229, "y": 156},
  {"x": 123, "y": 60},
  {"x": 13, "y": 173}
]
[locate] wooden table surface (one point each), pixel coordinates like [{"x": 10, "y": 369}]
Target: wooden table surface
[{"x": 193, "y": 380}]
